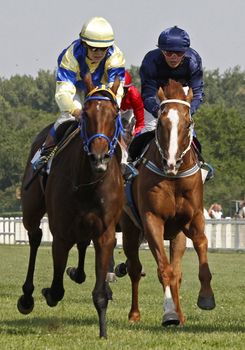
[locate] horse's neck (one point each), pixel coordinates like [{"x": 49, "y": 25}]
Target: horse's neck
[
  {"x": 189, "y": 160},
  {"x": 152, "y": 154}
]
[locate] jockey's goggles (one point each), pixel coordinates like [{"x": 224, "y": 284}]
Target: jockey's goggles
[
  {"x": 95, "y": 49},
  {"x": 171, "y": 53}
]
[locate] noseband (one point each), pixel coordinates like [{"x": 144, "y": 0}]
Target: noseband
[
  {"x": 190, "y": 134},
  {"x": 112, "y": 143}
]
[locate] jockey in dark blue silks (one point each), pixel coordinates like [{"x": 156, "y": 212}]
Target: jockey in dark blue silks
[{"x": 173, "y": 59}]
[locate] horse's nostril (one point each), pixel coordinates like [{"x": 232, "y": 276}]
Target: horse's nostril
[{"x": 93, "y": 157}]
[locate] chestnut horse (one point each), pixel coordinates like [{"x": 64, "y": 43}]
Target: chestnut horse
[
  {"x": 168, "y": 197},
  {"x": 79, "y": 201}
]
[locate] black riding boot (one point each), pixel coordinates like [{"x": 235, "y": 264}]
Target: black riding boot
[
  {"x": 46, "y": 150},
  {"x": 207, "y": 168}
]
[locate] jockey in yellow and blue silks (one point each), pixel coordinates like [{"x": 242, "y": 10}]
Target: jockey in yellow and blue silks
[
  {"x": 173, "y": 59},
  {"x": 93, "y": 52}
]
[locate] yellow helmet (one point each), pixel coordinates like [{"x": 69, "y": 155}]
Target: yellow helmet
[{"x": 97, "y": 32}]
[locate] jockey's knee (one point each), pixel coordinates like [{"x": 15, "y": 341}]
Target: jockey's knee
[{"x": 64, "y": 117}]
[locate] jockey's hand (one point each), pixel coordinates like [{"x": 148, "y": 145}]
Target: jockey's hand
[
  {"x": 77, "y": 113},
  {"x": 137, "y": 131}
]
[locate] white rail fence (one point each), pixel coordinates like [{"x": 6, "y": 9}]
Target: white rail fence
[{"x": 221, "y": 234}]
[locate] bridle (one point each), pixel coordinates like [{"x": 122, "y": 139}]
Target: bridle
[
  {"x": 112, "y": 143},
  {"x": 179, "y": 161},
  {"x": 161, "y": 172}
]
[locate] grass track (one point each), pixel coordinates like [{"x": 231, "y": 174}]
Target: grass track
[{"x": 73, "y": 324}]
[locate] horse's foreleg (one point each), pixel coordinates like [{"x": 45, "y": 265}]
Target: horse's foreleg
[
  {"x": 154, "y": 229},
  {"x": 78, "y": 274},
  {"x": 56, "y": 293},
  {"x": 102, "y": 293},
  {"x": 177, "y": 249},
  {"x": 26, "y": 302},
  {"x": 206, "y": 299}
]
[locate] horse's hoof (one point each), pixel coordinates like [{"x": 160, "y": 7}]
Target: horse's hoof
[
  {"x": 170, "y": 318},
  {"x": 206, "y": 303},
  {"x": 121, "y": 270},
  {"x": 48, "y": 297},
  {"x": 134, "y": 317},
  {"x": 25, "y": 305},
  {"x": 72, "y": 273}
]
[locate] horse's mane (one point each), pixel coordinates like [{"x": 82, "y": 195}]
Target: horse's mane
[{"x": 174, "y": 89}]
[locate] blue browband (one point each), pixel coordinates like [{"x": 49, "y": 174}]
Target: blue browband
[{"x": 89, "y": 98}]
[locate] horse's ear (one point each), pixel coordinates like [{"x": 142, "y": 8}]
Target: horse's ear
[
  {"x": 88, "y": 82},
  {"x": 161, "y": 95},
  {"x": 115, "y": 85},
  {"x": 189, "y": 95}
]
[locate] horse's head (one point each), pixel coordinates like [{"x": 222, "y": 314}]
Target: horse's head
[
  {"x": 100, "y": 123},
  {"x": 175, "y": 126}
]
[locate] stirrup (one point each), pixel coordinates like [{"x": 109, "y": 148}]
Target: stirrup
[
  {"x": 130, "y": 172},
  {"x": 43, "y": 158},
  {"x": 39, "y": 163},
  {"x": 210, "y": 171}
]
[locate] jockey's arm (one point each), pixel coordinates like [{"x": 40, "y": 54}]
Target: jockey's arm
[
  {"x": 64, "y": 96},
  {"x": 149, "y": 90},
  {"x": 66, "y": 79},
  {"x": 138, "y": 108},
  {"x": 196, "y": 83}
]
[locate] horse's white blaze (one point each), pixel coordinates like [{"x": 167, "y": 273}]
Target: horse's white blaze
[
  {"x": 173, "y": 141},
  {"x": 168, "y": 301},
  {"x": 98, "y": 106}
]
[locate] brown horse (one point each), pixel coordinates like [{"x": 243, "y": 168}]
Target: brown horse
[
  {"x": 168, "y": 197},
  {"x": 79, "y": 201}
]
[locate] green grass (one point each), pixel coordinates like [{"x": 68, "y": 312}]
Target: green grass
[{"x": 73, "y": 324}]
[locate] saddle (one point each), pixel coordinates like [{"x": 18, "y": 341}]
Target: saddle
[
  {"x": 138, "y": 144},
  {"x": 65, "y": 133}
]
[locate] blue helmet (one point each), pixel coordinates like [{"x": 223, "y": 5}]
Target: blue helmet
[{"x": 174, "y": 39}]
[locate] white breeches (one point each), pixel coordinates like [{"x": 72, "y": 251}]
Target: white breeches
[{"x": 150, "y": 122}]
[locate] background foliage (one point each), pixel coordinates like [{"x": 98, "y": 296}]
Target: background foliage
[{"x": 27, "y": 105}]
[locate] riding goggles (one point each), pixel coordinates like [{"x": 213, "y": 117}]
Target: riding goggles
[
  {"x": 171, "y": 53},
  {"x": 95, "y": 49}
]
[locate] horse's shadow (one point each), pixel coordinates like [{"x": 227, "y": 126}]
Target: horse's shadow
[
  {"x": 187, "y": 328},
  {"x": 47, "y": 324}
]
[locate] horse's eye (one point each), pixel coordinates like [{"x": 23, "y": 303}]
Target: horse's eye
[{"x": 189, "y": 124}]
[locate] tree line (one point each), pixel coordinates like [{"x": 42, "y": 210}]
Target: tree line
[{"x": 27, "y": 105}]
